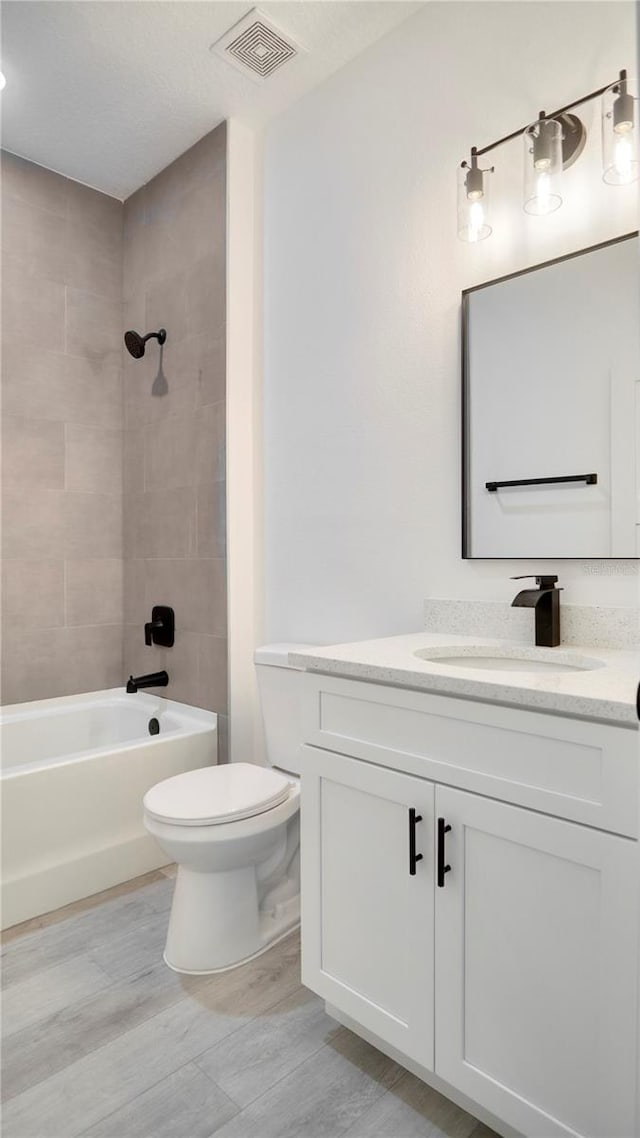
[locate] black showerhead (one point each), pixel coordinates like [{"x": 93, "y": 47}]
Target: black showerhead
[{"x": 135, "y": 344}]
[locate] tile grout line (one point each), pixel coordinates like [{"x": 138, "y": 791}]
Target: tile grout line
[{"x": 65, "y": 603}]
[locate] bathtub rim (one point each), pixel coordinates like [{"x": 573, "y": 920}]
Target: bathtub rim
[{"x": 195, "y": 721}]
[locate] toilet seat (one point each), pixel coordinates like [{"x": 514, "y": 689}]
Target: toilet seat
[{"x": 211, "y": 796}]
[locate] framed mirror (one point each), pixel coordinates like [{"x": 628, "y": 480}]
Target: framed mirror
[{"x": 551, "y": 409}]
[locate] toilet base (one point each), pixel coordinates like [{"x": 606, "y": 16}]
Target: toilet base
[
  {"x": 216, "y": 922},
  {"x": 238, "y": 963}
]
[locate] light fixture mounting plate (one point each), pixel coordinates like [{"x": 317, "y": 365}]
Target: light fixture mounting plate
[{"x": 574, "y": 137}]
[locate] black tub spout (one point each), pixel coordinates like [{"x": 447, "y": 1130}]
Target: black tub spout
[{"x": 153, "y": 680}]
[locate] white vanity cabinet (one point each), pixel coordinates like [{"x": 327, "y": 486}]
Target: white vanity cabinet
[
  {"x": 514, "y": 980},
  {"x": 367, "y": 920},
  {"x": 535, "y": 964}
]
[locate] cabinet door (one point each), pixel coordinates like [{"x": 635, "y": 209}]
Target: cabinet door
[
  {"x": 367, "y": 920},
  {"x": 536, "y": 942}
]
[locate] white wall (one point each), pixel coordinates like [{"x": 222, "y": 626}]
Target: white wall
[
  {"x": 244, "y": 439},
  {"x": 363, "y": 273}
]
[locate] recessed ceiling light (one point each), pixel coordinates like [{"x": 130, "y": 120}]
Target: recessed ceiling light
[{"x": 3, "y": 81}]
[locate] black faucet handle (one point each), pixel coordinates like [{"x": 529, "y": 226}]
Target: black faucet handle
[
  {"x": 547, "y": 582},
  {"x": 149, "y": 629},
  {"x": 161, "y": 628}
]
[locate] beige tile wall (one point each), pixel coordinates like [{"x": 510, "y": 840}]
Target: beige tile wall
[
  {"x": 174, "y": 419},
  {"x": 61, "y": 435},
  {"x": 113, "y": 487}
]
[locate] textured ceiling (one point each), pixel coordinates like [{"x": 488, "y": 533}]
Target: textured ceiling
[{"x": 110, "y": 91}]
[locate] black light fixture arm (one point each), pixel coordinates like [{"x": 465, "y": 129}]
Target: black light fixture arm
[
  {"x": 553, "y": 115},
  {"x": 473, "y": 164}
]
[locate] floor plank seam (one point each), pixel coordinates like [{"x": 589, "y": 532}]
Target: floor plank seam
[
  {"x": 154, "y": 1044},
  {"x": 252, "y": 1102},
  {"x": 6, "y": 986},
  {"x": 38, "y": 1023},
  {"x": 15, "y": 951},
  {"x": 152, "y": 1087},
  {"x": 145, "y": 1089},
  {"x": 180, "y": 997},
  {"x": 35, "y": 925},
  {"x": 99, "y": 1047}
]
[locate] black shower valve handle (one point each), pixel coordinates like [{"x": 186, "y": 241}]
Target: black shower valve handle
[
  {"x": 161, "y": 628},
  {"x": 149, "y": 629}
]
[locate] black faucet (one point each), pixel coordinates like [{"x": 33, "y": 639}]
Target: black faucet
[
  {"x": 546, "y": 601},
  {"x": 153, "y": 680}
]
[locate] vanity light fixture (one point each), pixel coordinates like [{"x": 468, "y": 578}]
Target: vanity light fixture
[{"x": 551, "y": 144}]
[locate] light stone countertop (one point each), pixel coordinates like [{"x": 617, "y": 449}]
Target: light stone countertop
[{"x": 606, "y": 693}]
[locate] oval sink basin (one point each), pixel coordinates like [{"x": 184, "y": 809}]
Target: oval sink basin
[{"x": 490, "y": 659}]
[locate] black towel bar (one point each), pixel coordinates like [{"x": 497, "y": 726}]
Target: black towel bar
[{"x": 589, "y": 479}]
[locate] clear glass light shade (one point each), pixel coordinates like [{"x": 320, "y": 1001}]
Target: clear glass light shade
[
  {"x": 473, "y": 204},
  {"x": 542, "y": 167},
  {"x": 621, "y": 133}
]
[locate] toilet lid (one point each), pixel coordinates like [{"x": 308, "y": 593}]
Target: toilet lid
[{"x": 212, "y": 795}]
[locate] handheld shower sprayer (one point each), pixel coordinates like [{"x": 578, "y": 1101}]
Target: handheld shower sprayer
[{"x": 135, "y": 343}]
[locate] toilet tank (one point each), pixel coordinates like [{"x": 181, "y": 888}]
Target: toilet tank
[{"x": 280, "y": 692}]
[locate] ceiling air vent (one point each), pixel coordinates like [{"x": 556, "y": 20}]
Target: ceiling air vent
[{"x": 256, "y": 46}]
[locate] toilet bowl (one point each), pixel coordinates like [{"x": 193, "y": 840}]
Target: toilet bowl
[{"x": 234, "y": 833}]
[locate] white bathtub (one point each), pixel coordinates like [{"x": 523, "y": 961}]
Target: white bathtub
[{"x": 73, "y": 774}]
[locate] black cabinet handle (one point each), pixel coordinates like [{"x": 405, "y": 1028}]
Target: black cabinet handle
[
  {"x": 443, "y": 829},
  {"x": 414, "y": 857},
  {"x": 638, "y": 702}
]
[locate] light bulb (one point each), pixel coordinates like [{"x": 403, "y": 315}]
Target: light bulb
[
  {"x": 543, "y": 167},
  {"x": 543, "y": 193},
  {"x": 476, "y": 220},
  {"x": 623, "y": 158},
  {"x": 620, "y": 135}
]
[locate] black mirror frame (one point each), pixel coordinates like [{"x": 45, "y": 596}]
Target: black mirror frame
[{"x": 466, "y": 416}]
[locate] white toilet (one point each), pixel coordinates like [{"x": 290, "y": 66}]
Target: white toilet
[{"x": 234, "y": 832}]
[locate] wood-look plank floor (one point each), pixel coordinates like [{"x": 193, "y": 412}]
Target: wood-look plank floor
[{"x": 101, "y": 1039}]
